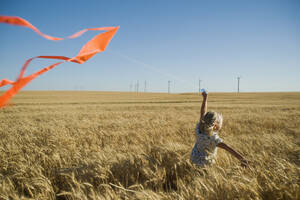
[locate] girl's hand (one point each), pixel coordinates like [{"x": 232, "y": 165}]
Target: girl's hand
[
  {"x": 244, "y": 163},
  {"x": 204, "y": 93}
]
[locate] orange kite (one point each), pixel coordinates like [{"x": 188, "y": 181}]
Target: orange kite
[{"x": 94, "y": 46}]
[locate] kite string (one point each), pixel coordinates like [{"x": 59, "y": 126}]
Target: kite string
[{"x": 152, "y": 68}]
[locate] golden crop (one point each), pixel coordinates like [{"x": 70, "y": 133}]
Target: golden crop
[{"x": 105, "y": 145}]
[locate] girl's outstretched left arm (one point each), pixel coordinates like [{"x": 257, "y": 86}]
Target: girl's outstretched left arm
[
  {"x": 244, "y": 162},
  {"x": 204, "y": 104}
]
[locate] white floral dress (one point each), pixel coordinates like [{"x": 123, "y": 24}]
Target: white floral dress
[{"x": 205, "y": 148}]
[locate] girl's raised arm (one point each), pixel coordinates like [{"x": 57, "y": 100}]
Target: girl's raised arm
[{"x": 204, "y": 104}]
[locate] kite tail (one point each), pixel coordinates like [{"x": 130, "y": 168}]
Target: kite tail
[{"x": 95, "y": 45}]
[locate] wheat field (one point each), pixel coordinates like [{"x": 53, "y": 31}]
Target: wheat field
[{"x": 110, "y": 145}]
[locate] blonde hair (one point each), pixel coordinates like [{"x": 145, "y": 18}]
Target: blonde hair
[{"x": 208, "y": 121}]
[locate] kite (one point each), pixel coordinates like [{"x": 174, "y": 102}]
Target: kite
[{"x": 95, "y": 45}]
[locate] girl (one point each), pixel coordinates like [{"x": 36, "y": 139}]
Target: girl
[{"x": 207, "y": 139}]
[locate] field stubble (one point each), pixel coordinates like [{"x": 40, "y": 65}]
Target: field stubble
[{"x": 102, "y": 145}]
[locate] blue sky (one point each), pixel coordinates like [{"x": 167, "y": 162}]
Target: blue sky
[{"x": 180, "y": 41}]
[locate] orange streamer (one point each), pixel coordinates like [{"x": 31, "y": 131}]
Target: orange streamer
[
  {"x": 94, "y": 46},
  {"x": 18, "y": 21}
]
